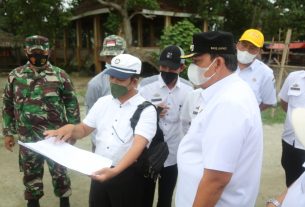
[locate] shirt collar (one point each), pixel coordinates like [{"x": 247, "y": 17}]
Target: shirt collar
[
  {"x": 303, "y": 74},
  {"x": 252, "y": 66},
  {"x": 131, "y": 101},
  {"x": 47, "y": 70},
  {"x": 162, "y": 84},
  {"x": 208, "y": 93}
]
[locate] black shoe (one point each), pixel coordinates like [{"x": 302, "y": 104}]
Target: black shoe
[
  {"x": 33, "y": 203},
  {"x": 64, "y": 202}
]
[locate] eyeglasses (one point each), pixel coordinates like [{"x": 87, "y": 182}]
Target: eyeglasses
[{"x": 245, "y": 45}]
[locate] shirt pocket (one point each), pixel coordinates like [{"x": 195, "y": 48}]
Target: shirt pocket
[{"x": 295, "y": 96}]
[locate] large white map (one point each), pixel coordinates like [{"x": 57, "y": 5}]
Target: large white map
[{"x": 69, "y": 156}]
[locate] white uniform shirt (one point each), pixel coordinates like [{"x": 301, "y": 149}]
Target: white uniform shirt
[
  {"x": 261, "y": 79},
  {"x": 226, "y": 136},
  {"x": 112, "y": 122},
  {"x": 293, "y": 92},
  {"x": 295, "y": 196},
  {"x": 157, "y": 92},
  {"x": 192, "y": 105}
]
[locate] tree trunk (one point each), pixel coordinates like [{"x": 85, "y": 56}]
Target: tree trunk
[{"x": 127, "y": 28}]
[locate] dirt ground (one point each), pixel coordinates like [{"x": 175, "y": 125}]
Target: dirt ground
[{"x": 11, "y": 187}]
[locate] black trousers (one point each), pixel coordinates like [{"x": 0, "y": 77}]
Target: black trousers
[
  {"x": 166, "y": 186},
  {"x": 292, "y": 162},
  {"x": 124, "y": 190}
]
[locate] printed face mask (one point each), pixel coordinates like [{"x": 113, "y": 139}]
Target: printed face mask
[
  {"x": 244, "y": 57},
  {"x": 196, "y": 74},
  {"x": 38, "y": 60},
  {"x": 168, "y": 77},
  {"x": 118, "y": 90}
]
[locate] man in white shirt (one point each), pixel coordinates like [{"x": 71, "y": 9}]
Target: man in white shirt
[
  {"x": 192, "y": 105},
  {"x": 168, "y": 91},
  {"x": 292, "y": 96},
  {"x": 99, "y": 85},
  {"x": 122, "y": 184},
  {"x": 220, "y": 157},
  {"x": 257, "y": 74}
]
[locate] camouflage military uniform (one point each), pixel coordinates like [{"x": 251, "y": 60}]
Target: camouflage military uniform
[{"x": 32, "y": 103}]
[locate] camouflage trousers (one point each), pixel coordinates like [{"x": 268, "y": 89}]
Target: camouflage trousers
[{"x": 32, "y": 166}]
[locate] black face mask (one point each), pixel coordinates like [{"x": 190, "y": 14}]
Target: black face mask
[
  {"x": 168, "y": 77},
  {"x": 38, "y": 60}
]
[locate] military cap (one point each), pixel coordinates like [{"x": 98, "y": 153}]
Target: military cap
[
  {"x": 37, "y": 42},
  {"x": 214, "y": 42},
  {"x": 113, "y": 45}
]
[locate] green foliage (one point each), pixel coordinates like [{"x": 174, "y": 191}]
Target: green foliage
[
  {"x": 27, "y": 17},
  {"x": 180, "y": 34},
  {"x": 139, "y": 4},
  {"x": 112, "y": 23}
]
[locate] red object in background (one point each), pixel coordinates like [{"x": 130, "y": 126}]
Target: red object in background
[{"x": 292, "y": 45}]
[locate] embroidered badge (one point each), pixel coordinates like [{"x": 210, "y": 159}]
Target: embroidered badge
[
  {"x": 169, "y": 55},
  {"x": 295, "y": 87}
]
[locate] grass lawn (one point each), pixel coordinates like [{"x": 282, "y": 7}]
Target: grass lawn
[{"x": 274, "y": 115}]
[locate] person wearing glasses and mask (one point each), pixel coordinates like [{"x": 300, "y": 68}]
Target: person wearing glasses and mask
[
  {"x": 38, "y": 96},
  {"x": 99, "y": 85},
  {"x": 168, "y": 91},
  {"x": 256, "y": 73},
  {"x": 220, "y": 157},
  {"x": 122, "y": 184}
]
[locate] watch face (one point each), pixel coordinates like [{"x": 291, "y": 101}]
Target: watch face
[{"x": 274, "y": 202}]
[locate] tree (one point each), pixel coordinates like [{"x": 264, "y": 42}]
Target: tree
[
  {"x": 28, "y": 17},
  {"x": 127, "y": 9},
  {"x": 180, "y": 34}
]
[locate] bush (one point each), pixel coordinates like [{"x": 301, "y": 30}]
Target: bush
[{"x": 180, "y": 34}]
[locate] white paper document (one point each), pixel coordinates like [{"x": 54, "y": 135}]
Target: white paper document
[{"x": 69, "y": 156}]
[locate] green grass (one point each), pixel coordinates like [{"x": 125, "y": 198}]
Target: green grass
[{"x": 274, "y": 115}]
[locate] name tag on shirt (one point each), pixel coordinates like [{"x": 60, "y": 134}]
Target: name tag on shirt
[
  {"x": 294, "y": 88},
  {"x": 156, "y": 99}
]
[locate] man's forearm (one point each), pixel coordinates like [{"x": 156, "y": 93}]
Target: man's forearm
[
  {"x": 207, "y": 195},
  {"x": 80, "y": 130},
  {"x": 211, "y": 187}
]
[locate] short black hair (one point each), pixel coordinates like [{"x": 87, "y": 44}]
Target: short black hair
[{"x": 230, "y": 60}]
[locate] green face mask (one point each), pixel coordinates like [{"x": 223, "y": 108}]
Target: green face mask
[{"x": 118, "y": 90}]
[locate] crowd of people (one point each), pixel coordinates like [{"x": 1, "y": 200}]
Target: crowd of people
[{"x": 211, "y": 122}]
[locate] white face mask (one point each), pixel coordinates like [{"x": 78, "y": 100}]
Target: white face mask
[
  {"x": 196, "y": 74},
  {"x": 244, "y": 57}
]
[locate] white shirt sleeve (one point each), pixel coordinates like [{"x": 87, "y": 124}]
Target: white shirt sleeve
[
  {"x": 91, "y": 118},
  {"x": 283, "y": 94},
  {"x": 269, "y": 92},
  {"x": 147, "y": 124}
]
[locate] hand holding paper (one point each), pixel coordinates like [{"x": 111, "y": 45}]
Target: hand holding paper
[{"x": 69, "y": 156}]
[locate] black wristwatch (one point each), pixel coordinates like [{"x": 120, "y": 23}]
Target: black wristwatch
[{"x": 275, "y": 202}]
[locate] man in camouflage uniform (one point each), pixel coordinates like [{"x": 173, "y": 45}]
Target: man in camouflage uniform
[
  {"x": 38, "y": 96},
  {"x": 99, "y": 85}
]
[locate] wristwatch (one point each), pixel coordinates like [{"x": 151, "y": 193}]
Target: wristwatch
[{"x": 275, "y": 202}]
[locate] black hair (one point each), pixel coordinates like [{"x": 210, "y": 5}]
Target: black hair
[{"x": 230, "y": 60}]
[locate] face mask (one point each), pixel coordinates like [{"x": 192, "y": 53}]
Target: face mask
[
  {"x": 38, "y": 60},
  {"x": 107, "y": 66},
  {"x": 168, "y": 77},
  {"x": 244, "y": 57},
  {"x": 118, "y": 90},
  {"x": 196, "y": 74}
]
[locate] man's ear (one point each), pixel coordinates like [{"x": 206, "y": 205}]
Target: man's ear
[{"x": 182, "y": 67}]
